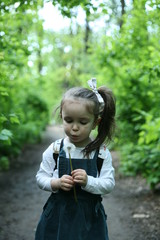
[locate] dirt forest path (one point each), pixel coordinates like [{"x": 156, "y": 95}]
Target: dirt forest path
[{"x": 133, "y": 211}]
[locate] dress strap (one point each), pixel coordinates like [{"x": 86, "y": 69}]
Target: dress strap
[
  {"x": 99, "y": 164},
  {"x": 101, "y": 157}
]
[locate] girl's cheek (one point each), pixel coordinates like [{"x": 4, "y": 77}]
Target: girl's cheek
[
  {"x": 65, "y": 125},
  {"x": 66, "y": 129}
]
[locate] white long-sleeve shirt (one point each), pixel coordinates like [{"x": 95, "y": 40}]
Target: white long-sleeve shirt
[{"x": 102, "y": 184}]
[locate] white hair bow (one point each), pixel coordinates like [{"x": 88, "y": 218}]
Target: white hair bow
[{"x": 93, "y": 85}]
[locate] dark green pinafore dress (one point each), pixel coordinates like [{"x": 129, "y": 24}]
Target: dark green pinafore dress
[{"x": 65, "y": 219}]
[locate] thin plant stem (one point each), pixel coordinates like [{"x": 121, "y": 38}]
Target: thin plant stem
[{"x": 74, "y": 189}]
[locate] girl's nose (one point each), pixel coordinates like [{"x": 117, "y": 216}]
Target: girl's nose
[{"x": 75, "y": 127}]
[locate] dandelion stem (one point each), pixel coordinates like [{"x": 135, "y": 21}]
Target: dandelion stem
[{"x": 74, "y": 189}]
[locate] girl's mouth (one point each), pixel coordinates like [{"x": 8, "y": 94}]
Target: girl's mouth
[{"x": 74, "y": 137}]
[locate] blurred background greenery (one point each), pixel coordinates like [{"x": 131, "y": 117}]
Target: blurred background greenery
[{"x": 38, "y": 64}]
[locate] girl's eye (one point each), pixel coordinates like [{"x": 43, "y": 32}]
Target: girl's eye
[
  {"x": 68, "y": 120},
  {"x": 83, "y": 122}
]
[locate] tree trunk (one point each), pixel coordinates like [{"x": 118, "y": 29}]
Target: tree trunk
[
  {"x": 122, "y": 12},
  {"x": 87, "y": 32}
]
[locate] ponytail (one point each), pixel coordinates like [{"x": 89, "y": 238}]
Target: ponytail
[{"x": 106, "y": 126}]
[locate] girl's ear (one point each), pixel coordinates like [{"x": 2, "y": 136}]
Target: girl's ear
[{"x": 96, "y": 122}]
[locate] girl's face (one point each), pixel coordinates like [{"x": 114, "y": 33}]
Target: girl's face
[{"x": 78, "y": 122}]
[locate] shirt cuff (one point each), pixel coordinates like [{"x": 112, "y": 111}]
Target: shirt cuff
[
  {"x": 89, "y": 184},
  {"x": 52, "y": 190}
]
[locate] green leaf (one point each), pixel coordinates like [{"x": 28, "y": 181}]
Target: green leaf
[
  {"x": 3, "y": 92},
  {"x": 14, "y": 119},
  {"x": 3, "y": 119},
  {"x": 6, "y": 133},
  {"x": 4, "y": 137}
]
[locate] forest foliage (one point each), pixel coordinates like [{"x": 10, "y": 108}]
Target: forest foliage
[{"x": 38, "y": 65}]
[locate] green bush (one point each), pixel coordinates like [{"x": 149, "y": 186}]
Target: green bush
[
  {"x": 4, "y": 163},
  {"x": 25, "y": 127},
  {"x": 144, "y": 156}
]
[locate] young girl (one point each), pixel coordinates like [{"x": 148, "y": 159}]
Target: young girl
[{"x": 83, "y": 171}]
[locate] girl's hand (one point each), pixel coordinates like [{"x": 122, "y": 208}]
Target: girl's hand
[
  {"x": 66, "y": 182},
  {"x": 80, "y": 177}
]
